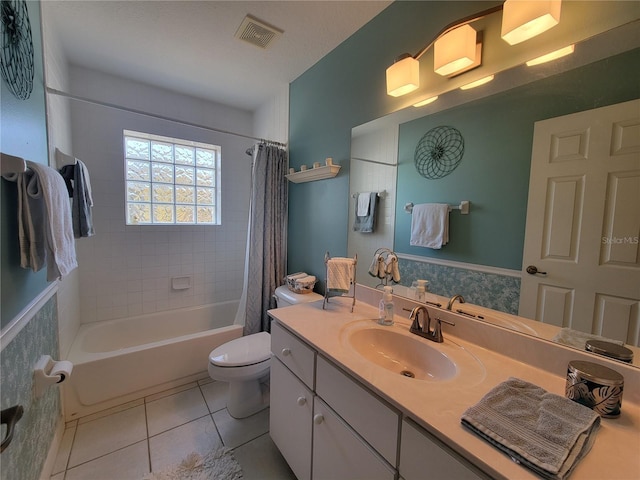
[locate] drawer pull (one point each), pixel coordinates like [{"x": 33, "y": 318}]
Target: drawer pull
[
  {"x": 286, "y": 352},
  {"x": 318, "y": 419},
  {"x": 301, "y": 401}
]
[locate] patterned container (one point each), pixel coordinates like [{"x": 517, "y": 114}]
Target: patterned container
[{"x": 596, "y": 387}]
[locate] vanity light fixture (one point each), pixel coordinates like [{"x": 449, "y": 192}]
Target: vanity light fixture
[
  {"x": 524, "y": 19},
  {"x": 477, "y": 83},
  {"x": 456, "y": 51},
  {"x": 426, "y": 101},
  {"x": 456, "y": 47},
  {"x": 562, "y": 52}
]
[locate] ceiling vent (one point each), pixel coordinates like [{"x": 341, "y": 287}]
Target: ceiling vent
[{"x": 257, "y": 33}]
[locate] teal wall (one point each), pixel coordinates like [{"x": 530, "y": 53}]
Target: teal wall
[
  {"x": 494, "y": 171},
  {"x": 345, "y": 89},
  {"x": 23, "y": 134}
]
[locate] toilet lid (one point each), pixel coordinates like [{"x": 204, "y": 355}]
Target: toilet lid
[{"x": 247, "y": 350}]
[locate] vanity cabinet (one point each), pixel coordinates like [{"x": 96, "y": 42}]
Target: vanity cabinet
[
  {"x": 338, "y": 451},
  {"x": 424, "y": 457}
]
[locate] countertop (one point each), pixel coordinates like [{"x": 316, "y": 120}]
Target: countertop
[{"x": 437, "y": 406}]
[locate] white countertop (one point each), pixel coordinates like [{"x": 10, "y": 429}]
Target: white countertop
[{"x": 438, "y": 406}]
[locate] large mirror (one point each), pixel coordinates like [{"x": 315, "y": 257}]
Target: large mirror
[{"x": 484, "y": 259}]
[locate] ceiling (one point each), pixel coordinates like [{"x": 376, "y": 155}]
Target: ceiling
[{"x": 189, "y": 46}]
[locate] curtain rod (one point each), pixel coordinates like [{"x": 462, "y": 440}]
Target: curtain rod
[{"x": 53, "y": 91}]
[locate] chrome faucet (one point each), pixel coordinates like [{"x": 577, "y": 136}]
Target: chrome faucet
[
  {"x": 424, "y": 329},
  {"x": 453, "y": 299}
]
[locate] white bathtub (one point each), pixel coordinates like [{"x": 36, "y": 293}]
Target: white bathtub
[{"x": 120, "y": 360}]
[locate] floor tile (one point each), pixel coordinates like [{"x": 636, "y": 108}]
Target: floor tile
[
  {"x": 171, "y": 447},
  {"x": 108, "y": 434},
  {"x": 64, "y": 449},
  {"x": 174, "y": 410},
  {"x": 110, "y": 411},
  {"x": 130, "y": 463},
  {"x": 59, "y": 476},
  {"x": 261, "y": 460},
  {"x": 235, "y": 432},
  {"x": 215, "y": 393},
  {"x": 171, "y": 391}
]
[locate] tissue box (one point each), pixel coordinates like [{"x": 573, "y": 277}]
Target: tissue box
[{"x": 595, "y": 386}]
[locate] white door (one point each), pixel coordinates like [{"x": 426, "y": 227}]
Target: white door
[{"x": 583, "y": 223}]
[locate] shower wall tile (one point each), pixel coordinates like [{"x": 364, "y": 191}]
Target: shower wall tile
[{"x": 25, "y": 456}]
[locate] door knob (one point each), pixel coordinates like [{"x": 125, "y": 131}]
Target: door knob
[{"x": 533, "y": 270}]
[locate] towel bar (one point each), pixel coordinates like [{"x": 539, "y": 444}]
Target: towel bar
[
  {"x": 381, "y": 194},
  {"x": 463, "y": 207},
  {"x": 10, "y": 164}
]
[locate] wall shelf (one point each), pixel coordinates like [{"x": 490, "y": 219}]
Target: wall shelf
[{"x": 319, "y": 173}]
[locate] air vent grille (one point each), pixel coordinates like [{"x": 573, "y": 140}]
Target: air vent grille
[{"x": 257, "y": 33}]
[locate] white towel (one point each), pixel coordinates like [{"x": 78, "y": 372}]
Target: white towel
[
  {"x": 48, "y": 200},
  {"x": 391, "y": 267},
  {"x": 373, "y": 269},
  {"x": 340, "y": 273},
  {"x": 430, "y": 225},
  {"x": 363, "y": 204}
]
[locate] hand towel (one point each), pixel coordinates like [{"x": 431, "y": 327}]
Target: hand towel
[
  {"x": 47, "y": 197},
  {"x": 391, "y": 267},
  {"x": 382, "y": 270},
  {"x": 545, "y": 432},
  {"x": 363, "y": 204},
  {"x": 77, "y": 179},
  {"x": 366, "y": 223},
  {"x": 373, "y": 269},
  {"x": 340, "y": 273},
  {"x": 430, "y": 225},
  {"x": 577, "y": 339}
]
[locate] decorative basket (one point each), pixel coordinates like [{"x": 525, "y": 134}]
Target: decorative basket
[{"x": 297, "y": 287}]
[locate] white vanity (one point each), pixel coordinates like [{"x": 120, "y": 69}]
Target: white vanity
[{"x": 340, "y": 411}]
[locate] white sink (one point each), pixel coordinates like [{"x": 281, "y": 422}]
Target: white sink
[{"x": 405, "y": 354}]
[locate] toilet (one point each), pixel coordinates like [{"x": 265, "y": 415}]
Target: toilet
[{"x": 244, "y": 362}]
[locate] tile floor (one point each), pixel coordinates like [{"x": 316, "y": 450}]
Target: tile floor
[{"x": 158, "y": 431}]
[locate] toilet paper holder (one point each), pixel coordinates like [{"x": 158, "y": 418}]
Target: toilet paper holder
[{"x": 48, "y": 372}]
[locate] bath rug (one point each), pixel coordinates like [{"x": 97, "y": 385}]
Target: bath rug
[{"x": 218, "y": 464}]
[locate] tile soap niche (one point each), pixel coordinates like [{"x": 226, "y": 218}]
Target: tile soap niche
[{"x": 181, "y": 283}]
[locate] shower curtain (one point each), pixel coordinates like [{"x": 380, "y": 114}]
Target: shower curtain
[{"x": 265, "y": 263}]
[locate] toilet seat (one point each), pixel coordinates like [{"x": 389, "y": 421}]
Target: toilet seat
[{"x": 243, "y": 351}]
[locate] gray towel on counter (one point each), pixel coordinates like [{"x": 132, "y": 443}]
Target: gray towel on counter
[
  {"x": 366, "y": 224},
  {"x": 545, "y": 432}
]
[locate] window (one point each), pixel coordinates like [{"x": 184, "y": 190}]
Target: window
[{"x": 171, "y": 181}]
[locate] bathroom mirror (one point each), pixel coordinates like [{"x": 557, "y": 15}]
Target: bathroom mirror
[{"x": 382, "y": 160}]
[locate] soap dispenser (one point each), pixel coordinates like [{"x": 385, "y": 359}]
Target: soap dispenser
[{"x": 385, "y": 312}]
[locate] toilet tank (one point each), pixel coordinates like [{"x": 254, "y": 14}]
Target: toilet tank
[{"x": 285, "y": 297}]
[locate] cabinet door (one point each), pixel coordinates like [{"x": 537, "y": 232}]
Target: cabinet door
[
  {"x": 290, "y": 419},
  {"x": 423, "y": 457},
  {"x": 339, "y": 453}
]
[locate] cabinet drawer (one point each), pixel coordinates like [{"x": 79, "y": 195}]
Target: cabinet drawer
[
  {"x": 424, "y": 457},
  {"x": 374, "y": 420},
  {"x": 338, "y": 452},
  {"x": 294, "y": 353}
]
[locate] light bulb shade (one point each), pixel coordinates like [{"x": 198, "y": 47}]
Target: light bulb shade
[
  {"x": 455, "y": 50},
  {"x": 524, "y": 19},
  {"x": 403, "y": 77}
]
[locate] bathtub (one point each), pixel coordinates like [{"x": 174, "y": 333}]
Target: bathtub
[{"x": 116, "y": 361}]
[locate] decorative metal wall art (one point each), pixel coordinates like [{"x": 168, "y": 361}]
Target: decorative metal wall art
[
  {"x": 439, "y": 152},
  {"x": 16, "y": 56}
]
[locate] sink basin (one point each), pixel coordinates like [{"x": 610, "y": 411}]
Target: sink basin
[{"x": 402, "y": 353}]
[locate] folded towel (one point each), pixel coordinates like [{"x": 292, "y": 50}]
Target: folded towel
[
  {"x": 366, "y": 223},
  {"x": 45, "y": 227},
  {"x": 391, "y": 267},
  {"x": 306, "y": 281},
  {"x": 364, "y": 199},
  {"x": 577, "y": 339},
  {"x": 545, "y": 432},
  {"x": 430, "y": 225},
  {"x": 295, "y": 276},
  {"x": 340, "y": 273},
  {"x": 373, "y": 269}
]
